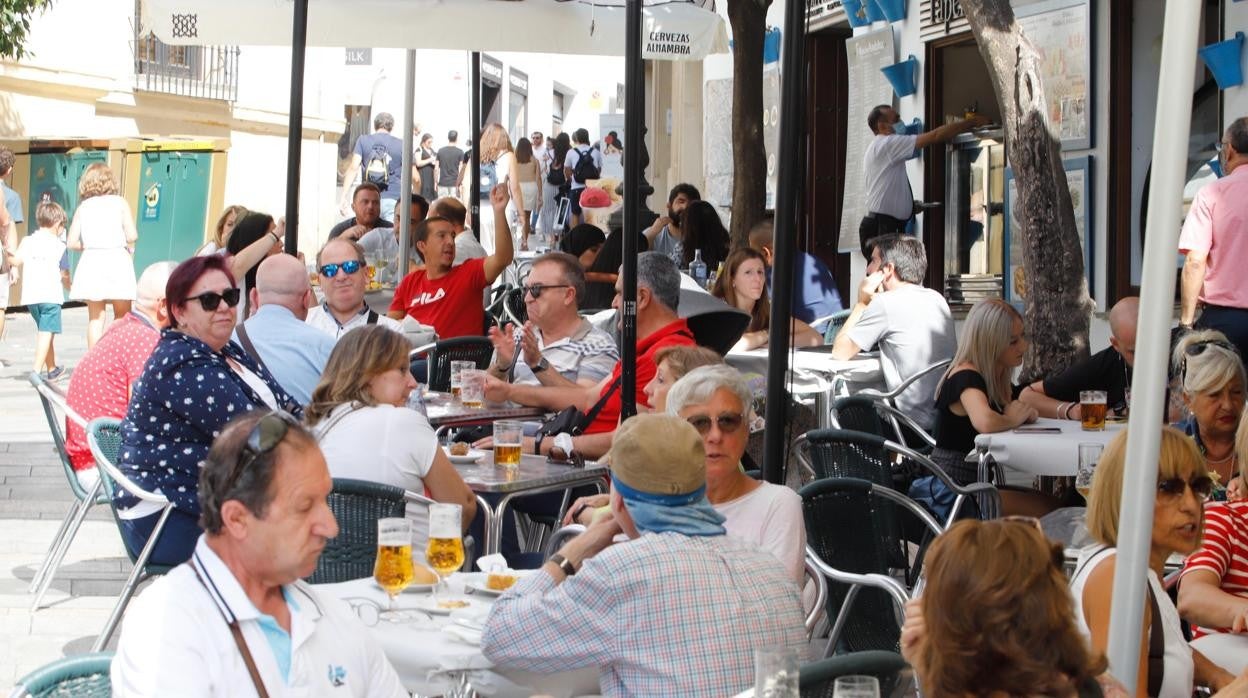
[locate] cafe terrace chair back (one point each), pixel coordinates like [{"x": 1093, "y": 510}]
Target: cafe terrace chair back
[
  {"x": 104, "y": 438},
  {"x": 83, "y": 676},
  {"x": 905, "y": 429},
  {"x": 53, "y": 402},
  {"x": 440, "y": 354},
  {"x": 844, "y": 542}
]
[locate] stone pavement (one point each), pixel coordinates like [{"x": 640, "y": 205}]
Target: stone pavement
[{"x": 34, "y": 497}]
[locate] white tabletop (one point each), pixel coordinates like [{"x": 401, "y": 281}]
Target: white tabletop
[
  {"x": 429, "y": 654},
  {"x": 814, "y": 371},
  {"x": 1045, "y": 454}
]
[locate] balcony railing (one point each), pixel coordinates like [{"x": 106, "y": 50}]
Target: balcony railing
[{"x": 210, "y": 72}]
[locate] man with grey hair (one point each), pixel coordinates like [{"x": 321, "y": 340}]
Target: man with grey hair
[
  {"x": 911, "y": 324},
  {"x": 276, "y": 335},
  {"x": 343, "y": 279},
  {"x": 258, "y": 629},
  {"x": 558, "y": 346},
  {"x": 378, "y": 159},
  {"x": 100, "y": 385},
  {"x": 658, "y": 326}
]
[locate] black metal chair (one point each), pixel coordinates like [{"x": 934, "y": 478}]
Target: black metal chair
[
  {"x": 83, "y": 676},
  {"x": 357, "y": 505},
  {"x": 905, "y": 429},
  {"x": 846, "y": 544},
  {"x": 835, "y": 322},
  {"x": 817, "y": 679},
  {"x": 440, "y": 354}
]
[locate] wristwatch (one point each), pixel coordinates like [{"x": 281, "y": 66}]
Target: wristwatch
[
  {"x": 541, "y": 366},
  {"x": 564, "y": 564}
]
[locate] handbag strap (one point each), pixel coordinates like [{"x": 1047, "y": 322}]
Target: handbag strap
[
  {"x": 245, "y": 339},
  {"x": 238, "y": 639},
  {"x": 598, "y": 406},
  {"x": 1156, "y": 646}
]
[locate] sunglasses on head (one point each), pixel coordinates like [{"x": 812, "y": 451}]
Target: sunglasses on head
[
  {"x": 1198, "y": 348},
  {"x": 535, "y": 290},
  {"x": 264, "y": 437},
  {"x": 350, "y": 266},
  {"x": 211, "y": 300},
  {"x": 729, "y": 422},
  {"x": 1202, "y": 487}
]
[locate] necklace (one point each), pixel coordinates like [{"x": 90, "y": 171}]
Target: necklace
[{"x": 1229, "y": 458}]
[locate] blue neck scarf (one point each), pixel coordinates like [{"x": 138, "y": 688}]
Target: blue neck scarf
[{"x": 687, "y": 514}]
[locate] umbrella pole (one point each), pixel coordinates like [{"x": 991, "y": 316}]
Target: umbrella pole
[
  {"x": 634, "y": 84},
  {"x": 294, "y": 137},
  {"x": 405, "y": 192},
  {"x": 787, "y": 185},
  {"x": 474, "y": 115},
  {"x": 1148, "y": 390}
]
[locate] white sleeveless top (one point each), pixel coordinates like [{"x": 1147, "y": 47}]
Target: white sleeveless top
[{"x": 1180, "y": 670}]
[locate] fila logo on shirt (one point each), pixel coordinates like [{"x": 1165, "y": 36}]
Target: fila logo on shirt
[{"x": 425, "y": 299}]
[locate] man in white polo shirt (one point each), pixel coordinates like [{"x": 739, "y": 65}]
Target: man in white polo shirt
[
  {"x": 343, "y": 276},
  {"x": 235, "y": 619}
]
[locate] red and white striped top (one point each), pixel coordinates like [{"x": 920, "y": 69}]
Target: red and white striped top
[{"x": 1224, "y": 551}]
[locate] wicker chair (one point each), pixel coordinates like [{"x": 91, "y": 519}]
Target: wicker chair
[
  {"x": 817, "y": 679},
  {"x": 835, "y": 322},
  {"x": 104, "y": 438},
  {"x": 84, "y": 676},
  {"x": 440, "y": 355},
  {"x": 53, "y": 400}
]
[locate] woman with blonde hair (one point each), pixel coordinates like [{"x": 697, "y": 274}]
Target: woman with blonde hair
[
  {"x": 103, "y": 230},
  {"x": 743, "y": 285},
  {"x": 975, "y": 396},
  {"x": 1168, "y": 665},
  {"x": 496, "y": 149},
  {"x": 225, "y": 227},
  {"x": 1017, "y": 636},
  {"x": 360, "y": 417},
  {"x": 1211, "y": 384}
]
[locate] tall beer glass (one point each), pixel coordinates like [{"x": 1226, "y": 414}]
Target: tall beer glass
[
  {"x": 393, "y": 570},
  {"x": 445, "y": 551}
]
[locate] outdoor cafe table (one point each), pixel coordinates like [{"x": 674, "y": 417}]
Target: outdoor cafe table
[
  {"x": 814, "y": 373},
  {"x": 444, "y": 411},
  {"x": 430, "y": 659},
  {"x": 535, "y": 475},
  {"x": 1045, "y": 454}
]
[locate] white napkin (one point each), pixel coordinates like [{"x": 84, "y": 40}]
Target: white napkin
[{"x": 492, "y": 563}]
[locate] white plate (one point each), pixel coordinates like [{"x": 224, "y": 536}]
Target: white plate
[
  {"x": 477, "y": 582},
  {"x": 472, "y": 456},
  {"x": 430, "y": 605},
  {"x": 411, "y": 588}
]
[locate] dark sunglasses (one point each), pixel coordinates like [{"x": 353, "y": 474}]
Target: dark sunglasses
[
  {"x": 1202, "y": 487},
  {"x": 1198, "y": 348},
  {"x": 729, "y": 422},
  {"x": 536, "y": 289},
  {"x": 350, "y": 266},
  {"x": 211, "y": 300},
  {"x": 264, "y": 437}
]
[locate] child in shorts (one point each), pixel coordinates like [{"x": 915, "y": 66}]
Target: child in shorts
[{"x": 44, "y": 281}]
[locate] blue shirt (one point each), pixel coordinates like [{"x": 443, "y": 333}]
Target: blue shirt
[
  {"x": 13, "y": 202},
  {"x": 814, "y": 290},
  {"x": 184, "y": 397},
  {"x": 293, "y": 351}
]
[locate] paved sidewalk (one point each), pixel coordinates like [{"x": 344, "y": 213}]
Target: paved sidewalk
[{"x": 34, "y": 498}]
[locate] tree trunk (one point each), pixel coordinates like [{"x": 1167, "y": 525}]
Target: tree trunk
[
  {"x": 748, "y": 19},
  {"x": 1057, "y": 307}
]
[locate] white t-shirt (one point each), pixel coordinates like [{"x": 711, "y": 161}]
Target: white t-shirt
[
  {"x": 384, "y": 443},
  {"x": 467, "y": 247},
  {"x": 884, "y": 167},
  {"x": 914, "y": 329},
  {"x": 574, "y": 156},
  {"x": 41, "y": 254},
  {"x": 323, "y": 320},
  {"x": 770, "y": 517}
]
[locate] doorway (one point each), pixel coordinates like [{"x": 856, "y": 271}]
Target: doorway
[{"x": 827, "y": 78}]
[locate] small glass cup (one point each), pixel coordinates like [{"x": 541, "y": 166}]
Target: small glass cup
[
  {"x": 1092, "y": 409},
  {"x": 856, "y": 687},
  {"x": 1089, "y": 455},
  {"x": 776, "y": 672},
  {"x": 457, "y": 373},
  {"x": 472, "y": 388},
  {"x": 508, "y": 441}
]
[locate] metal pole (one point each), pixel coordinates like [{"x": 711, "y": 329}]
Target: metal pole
[
  {"x": 474, "y": 189},
  {"x": 405, "y": 192},
  {"x": 1148, "y": 390},
  {"x": 294, "y": 137},
  {"x": 634, "y": 81},
  {"x": 788, "y": 182}
]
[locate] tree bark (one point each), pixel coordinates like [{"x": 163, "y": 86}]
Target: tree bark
[
  {"x": 1057, "y": 310},
  {"x": 748, "y": 19}
]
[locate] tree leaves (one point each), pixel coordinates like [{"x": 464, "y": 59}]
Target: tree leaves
[{"x": 15, "y": 18}]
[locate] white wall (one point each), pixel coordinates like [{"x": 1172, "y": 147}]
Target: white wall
[{"x": 1235, "y": 101}]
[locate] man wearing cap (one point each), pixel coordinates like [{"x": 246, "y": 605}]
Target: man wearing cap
[{"x": 678, "y": 609}]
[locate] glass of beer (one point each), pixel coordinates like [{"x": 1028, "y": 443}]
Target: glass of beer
[
  {"x": 472, "y": 387},
  {"x": 393, "y": 570},
  {"x": 508, "y": 437},
  {"x": 1092, "y": 408},
  {"x": 445, "y": 551},
  {"x": 457, "y": 376},
  {"x": 1089, "y": 455}
]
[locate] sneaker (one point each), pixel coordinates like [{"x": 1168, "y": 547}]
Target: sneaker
[{"x": 55, "y": 373}]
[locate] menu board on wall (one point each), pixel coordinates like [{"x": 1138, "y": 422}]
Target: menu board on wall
[
  {"x": 867, "y": 87},
  {"x": 1061, "y": 30}
]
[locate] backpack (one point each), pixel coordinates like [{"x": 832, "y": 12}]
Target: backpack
[
  {"x": 555, "y": 176},
  {"x": 377, "y": 169},
  {"x": 489, "y": 178},
  {"x": 585, "y": 169}
]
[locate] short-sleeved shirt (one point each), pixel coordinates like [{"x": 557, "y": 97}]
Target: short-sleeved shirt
[
  {"x": 41, "y": 254},
  {"x": 814, "y": 289},
  {"x": 100, "y": 384},
  {"x": 1217, "y": 223},
  {"x": 770, "y": 517},
  {"x": 468, "y": 247},
  {"x": 1223, "y": 551},
  {"x": 574, "y": 156},
  {"x": 13, "y": 204},
  {"x": 914, "y": 329},
  {"x": 588, "y": 354},
  {"x": 884, "y": 166},
  {"x": 349, "y": 223},
  {"x": 669, "y": 245},
  {"x": 451, "y": 304},
  {"x": 449, "y": 158},
  {"x": 1105, "y": 370},
  {"x": 955, "y": 432},
  {"x": 394, "y": 147},
  {"x": 675, "y": 333}
]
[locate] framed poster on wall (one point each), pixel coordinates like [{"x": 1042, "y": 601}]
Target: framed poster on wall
[
  {"x": 1079, "y": 179},
  {"x": 1061, "y": 31}
]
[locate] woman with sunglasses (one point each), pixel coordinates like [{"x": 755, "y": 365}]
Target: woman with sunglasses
[
  {"x": 1017, "y": 636},
  {"x": 360, "y": 417},
  {"x": 1211, "y": 385},
  {"x": 195, "y": 381},
  {"x": 1168, "y": 665},
  {"x": 743, "y": 285}
]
